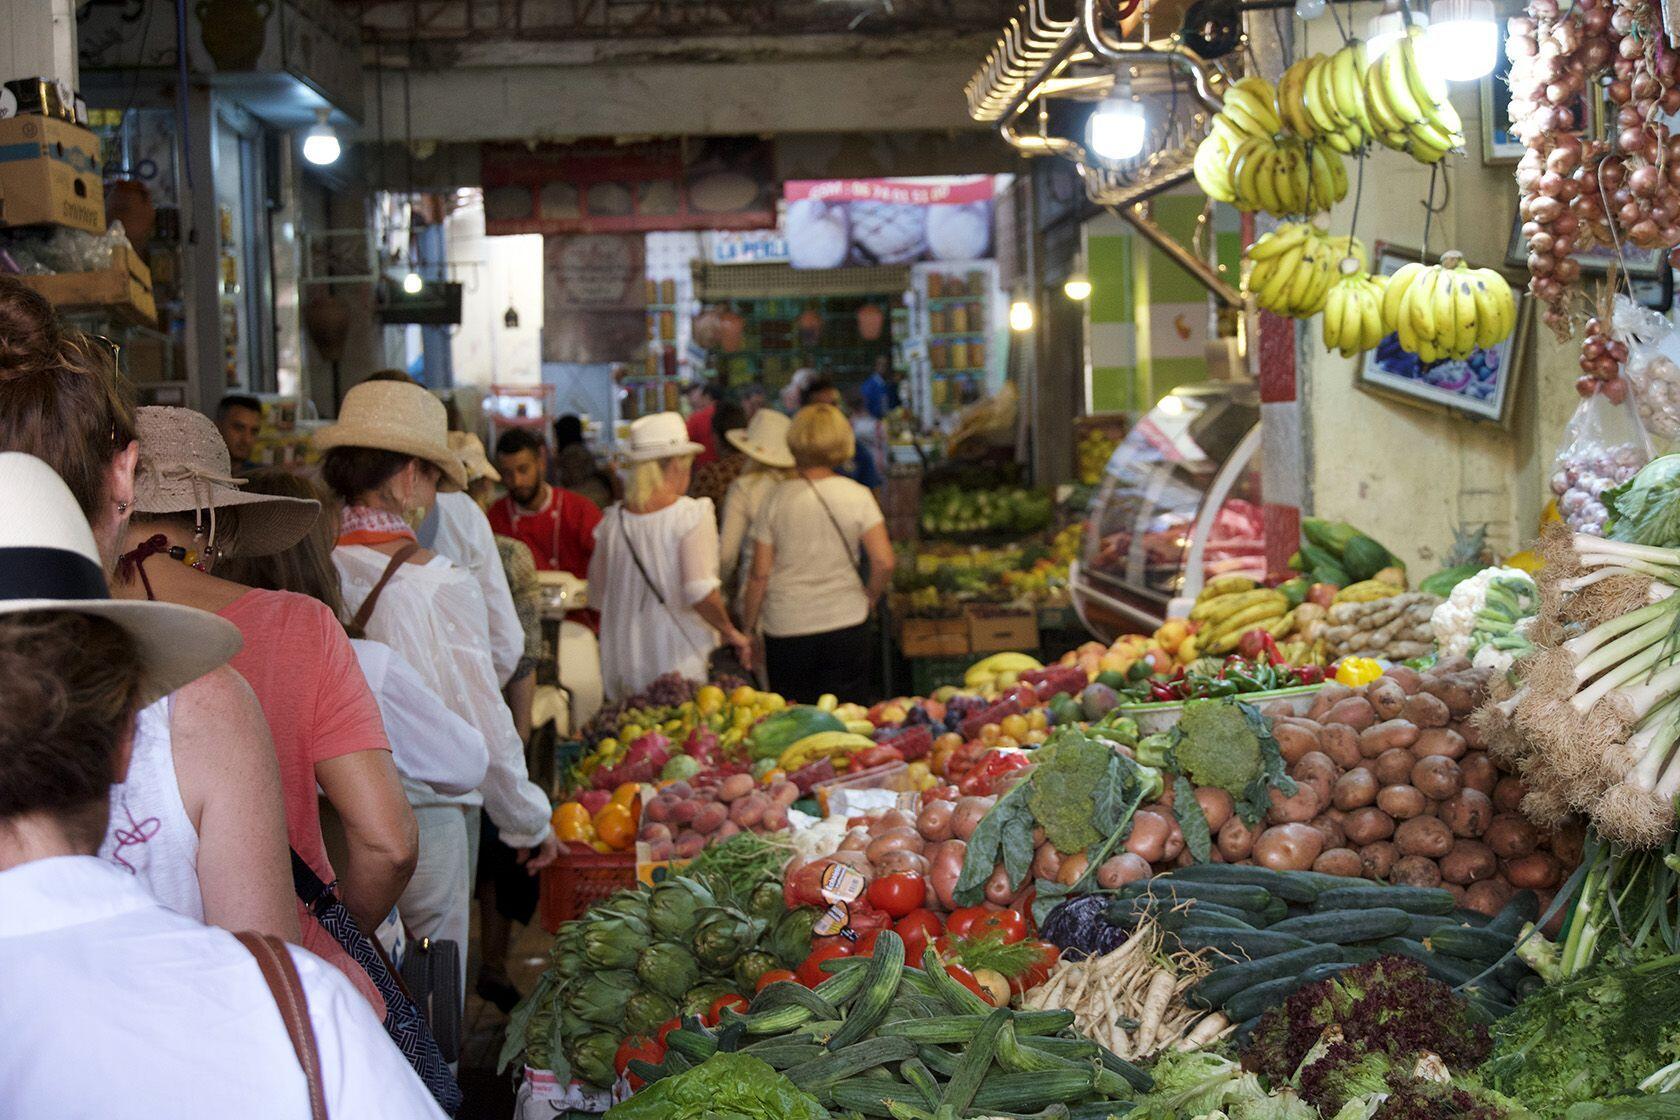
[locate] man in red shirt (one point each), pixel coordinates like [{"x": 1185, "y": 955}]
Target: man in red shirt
[
  {"x": 558, "y": 525},
  {"x": 703, "y": 398}
]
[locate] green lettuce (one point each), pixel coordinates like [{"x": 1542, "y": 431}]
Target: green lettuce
[
  {"x": 723, "y": 1087},
  {"x": 1646, "y": 508}
]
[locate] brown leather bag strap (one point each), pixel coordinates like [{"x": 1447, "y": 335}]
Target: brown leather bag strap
[
  {"x": 281, "y": 976},
  {"x": 398, "y": 558}
]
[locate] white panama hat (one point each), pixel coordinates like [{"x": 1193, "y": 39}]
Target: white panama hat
[
  {"x": 663, "y": 435},
  {"x": 764, "y": 438},
  {"x": 49, "y": 562},
  {"x": 396, "y": 416}
]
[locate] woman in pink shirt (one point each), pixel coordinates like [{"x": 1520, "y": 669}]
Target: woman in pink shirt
[{"x": 321, "y": 715}]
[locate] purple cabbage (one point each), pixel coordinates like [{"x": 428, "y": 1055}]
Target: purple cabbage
[{"x": 1080, "y": 928}]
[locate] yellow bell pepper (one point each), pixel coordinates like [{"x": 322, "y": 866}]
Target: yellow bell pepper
[{"x": 1357, "y": 671}]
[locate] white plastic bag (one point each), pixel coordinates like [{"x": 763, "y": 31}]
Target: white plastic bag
[
  {"x": 1603, "y": 447},
  {"x": 1652, "y": 370}
]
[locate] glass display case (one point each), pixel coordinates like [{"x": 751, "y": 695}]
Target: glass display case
[{"x": 1179, "y": 503}]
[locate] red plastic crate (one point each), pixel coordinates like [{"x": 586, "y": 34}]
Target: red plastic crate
[{"x": 579, "y": 879}]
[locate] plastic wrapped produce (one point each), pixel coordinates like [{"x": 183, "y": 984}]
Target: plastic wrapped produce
[
  {"x": 1653, "y": 367},
  {"x": 1603, "y": 447}
]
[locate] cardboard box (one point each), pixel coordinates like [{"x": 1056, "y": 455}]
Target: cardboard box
[
  {"x": 123, "y": 290},
  {"x": 995, "y": 630},
  {"x": 49, "y": 175},
  {"x": 934, "y": 637}
]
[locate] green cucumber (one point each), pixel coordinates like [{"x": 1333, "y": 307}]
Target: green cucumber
[
  {"x": 1523, "y": 908},
  {"x": 921, "y": 1079},
  {"x": 1291, "y": 886},
  {"x": 1324, "y": 971},
  {"x": 1422, "y": 925},
  {"x": 837, "y": 1065},
  {"x": 1222, "y": 984},
  {"x": 1343, "y": 927},
  {"x": 939, "y": 1060},
  {"x": 1238, "y": 944},
  {"x": 1201, "y": 916},
  {"x": 782, "y": 1053},
  {"x": 1023, "y": 1092},
  {"x": 1135, "y": 1076},
  {"x": 1416, "y": 900},
  {"x": 1072, "y": 1049},
  {"x": 1015, "y": 1058},
  {"x": 958, "y": 998},
  {"x": 1165, "y": 888},
  {"x": 861, "y": 1095},
  {"x": 886, "y": 963},
  {"x": 1252, "y": 1001},
  {"x": 790, "y": 993},
  {"x": 976, "y": 1061},
  {"x": 691, "y": 1044},
  {"x": 1481, "y": 945}
]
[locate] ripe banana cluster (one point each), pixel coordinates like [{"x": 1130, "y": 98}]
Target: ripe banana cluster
[
  {"x": 1226, "y": 618},
  {"x": 1000, "y": 670},
  {"x": 1353, "y": 311},
  {"x": 1249, "y": 159},
  {"x": 1293, "y": 267},
  {"x": 1409, "y": 111},
  {"x": 1448, "y": 310},
  {"x": 1321, "y": 98}
]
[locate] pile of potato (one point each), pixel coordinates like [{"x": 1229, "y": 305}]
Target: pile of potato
[{"x": 1395, "y": 786}]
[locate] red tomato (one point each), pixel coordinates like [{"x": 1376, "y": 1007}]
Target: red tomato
[
  {"x": 773, "y": 976},
  {"x": 810, "y": 971},
  {"x": 961, "y": 921},
  {"x": 637, "y": 1047},
  {"x": 1039, "y": 971},
  {"x": 897, "y": 894},
  {"x": 666, "y": 1028},
  {"x": 1009, "y": 923},
  {"x": 865, "y": 945},
  {"x": 738, "y": 1002},
  {"x": 863, "y": 917},
  {"x": 966, "y": 978},
  {"x": 918, "y": 929}
]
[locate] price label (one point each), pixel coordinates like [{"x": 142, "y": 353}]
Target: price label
[
  {"x": 841, "y": 883},
  {"x": 832, "y": 921}
]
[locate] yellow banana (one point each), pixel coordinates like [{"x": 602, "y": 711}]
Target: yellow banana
[
  {"x": 1275, "y": 243},
  {"x": 1225, "y": 585},
  {"x": 1396, "y": 291}
]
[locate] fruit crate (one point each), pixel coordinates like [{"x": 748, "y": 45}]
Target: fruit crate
[{"x": 578, "y": 879}]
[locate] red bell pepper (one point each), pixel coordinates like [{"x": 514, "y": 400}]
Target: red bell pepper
[{"x": 982, "y": 781}]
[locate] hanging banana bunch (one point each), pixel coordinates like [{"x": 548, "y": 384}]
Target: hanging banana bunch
[
  {"x": 1291, "y": 269},
  {"x": 1322, "y": 98},
  {"x": 1411, "y": 112},
  {"x": 1353, "y": 310},
  {"x": 1249, "y": 159},
  {"x": 1448, "y": 310}
]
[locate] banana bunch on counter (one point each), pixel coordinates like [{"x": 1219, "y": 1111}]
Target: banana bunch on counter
[{"x": 1230, "y": 606}]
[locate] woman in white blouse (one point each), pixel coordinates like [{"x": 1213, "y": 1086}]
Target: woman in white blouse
[{"x": 654, "y": 574}]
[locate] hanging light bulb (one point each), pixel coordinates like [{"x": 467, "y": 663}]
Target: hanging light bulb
[
  {"x": 1077, "y": 287},
  {"x": 1462, "y": 41},
  {"x": 1116, "y": 129},
  {"x": 1020, "y": 315},
  {"x": 320, "y": 143},
  {"x": 412, "y": 283},
  {"x": 1386, "y": 28}
]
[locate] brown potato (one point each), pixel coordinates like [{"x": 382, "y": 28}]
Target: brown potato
[
  {"x": 1387, "y": 735},
  {"x": 1119, "y": 870},
  {"x": 1402, "y": 802},
  {"x": 1072, "y": 869},
  {"x": 1217, "y": 806},
  {"x": 1341, "y": 743},
  {"x": 1335, "y": 835},
  {"x": 1440, "y": 740},
  {"x": 1511, "y": 836},
  {"x": 1302, "y": 805},
  {"x": 1236, "y": 840},
  {"x": 894, "y": 840},
  {"x": 1377, "y": 860},
  {"x": 934, "y": 822},
  {"x": 1288, "y": 847},
  {"x": 1355, "y": 711},
  {"x": 1415, "y": 871},
  {"x": 1567, "y": 840},
  {"x": 1047, "y": 861},
  {"x": 1175, "y": 843},
  {"x": 1423, "y": 836},
  {"x": 1278, "y": 709},
  {"x": 1394, "y": 767},
  {"x": 1470, "y": 861},
  {"x": 1479, "y": 772},
  {"x": 1368, "y": 825},
  {"x": 1508, "y": 794},
  {"x": 1467, "y": 812},
  {"x": 1437, "y": 777},
  {"x": 1406, "y": 677},
  {"x": 1386, "y": 696},
  {"x": 1329, "y": 695},
  {"x": 1488, "y": 896},
  {"x": 1148, "y": 838},
  {"x": 1339, "y": 861},
  {"x": 1456, "y": 891},
  {"x": 1355, "y": 789},
  {"x": 1473, "y": 736},
  {"x": 1537, "y": 872},
  {"x": 1458, "y": 691},
  {"x": 998, "y": 891},
  {"x": 1316, "y": 769},
  {"x": 1294, "y": 741},
  {"x": 901, "y": 861},
  {"x": 1426, "y": 710}
]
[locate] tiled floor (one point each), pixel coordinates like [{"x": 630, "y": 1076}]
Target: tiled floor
[{"x": 489, "y": 1095}]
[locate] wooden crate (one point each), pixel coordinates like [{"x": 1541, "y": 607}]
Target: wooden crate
[
  {"x": 996, "y": 630},
  {"x": 124, "y": 289},
  {"x": 934, "y": 637}
]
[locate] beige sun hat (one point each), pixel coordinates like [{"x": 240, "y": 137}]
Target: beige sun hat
[
  {"x": 764, "y": 438},
  {"x": 184, "y": 468},
  {"x": 400, "y": 417},
  {"x": 663, "y": 435},
  {"x": 471, "y": 450},
  {"x": 48, "y": 562}
]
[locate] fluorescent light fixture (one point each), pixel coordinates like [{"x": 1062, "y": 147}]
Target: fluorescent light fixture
[
  {"x": 1385, "y": 30},
  {"x": 320, "y": 143},
  {"x": 1117, "y": 126},
  {"x": 412, "y": 283},
  {"x": 1020, "y": 315},
  {"x": 1077, "y": 287},
  {"x": 1462, "y": 42}
]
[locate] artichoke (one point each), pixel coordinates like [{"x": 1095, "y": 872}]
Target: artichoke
[
  {"x": 614, "y": 943},
  {"x": 592, "y": 1058},
  {"x": 668, "y": 969},
  {"x": 675, "y": 905},
  {"x": 751, "y": 966},
  {"x": 600, "y": 996},
  {"x": 632, "y": 904},
  {"x": 765, "y": 903},
  {"x": 569, "y": 964},
  {"x": 699, "y": 999},
  {"x": 646, "y": 1010},
  {"x": 722, "y": 935},
  {"x": 790, "y": 938}
]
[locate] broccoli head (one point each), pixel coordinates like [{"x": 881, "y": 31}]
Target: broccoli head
[
  {"x": 1226, "y": 743},
  {"x": 1066, "y": 772}
]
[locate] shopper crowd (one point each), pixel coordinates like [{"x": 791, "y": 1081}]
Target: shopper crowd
[{"x": 264, "y": 731}]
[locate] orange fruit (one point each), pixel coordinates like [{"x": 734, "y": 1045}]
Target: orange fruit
[{"x": 615, "y": 826}]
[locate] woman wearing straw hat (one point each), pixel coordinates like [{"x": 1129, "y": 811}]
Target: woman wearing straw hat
[
  {"x": 654, "y": 575},
  {"x": 199, "y": 823},
  {"x": 188, "y": 511},
  {"x": 385, "y": 459},
  {"x": 764, "y": 443},
  {"x": 115, "y": 1002}
]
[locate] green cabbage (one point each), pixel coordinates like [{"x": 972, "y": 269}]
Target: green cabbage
[
  {"x": 668, "y": 969},
  {"x": 1646, "y": 508}
]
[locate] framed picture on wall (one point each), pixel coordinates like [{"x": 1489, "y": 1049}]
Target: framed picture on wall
[{"x": 1480, "y": 387}]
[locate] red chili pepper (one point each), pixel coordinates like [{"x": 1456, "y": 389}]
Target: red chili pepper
[
  {"x": 1269, "y": 644},
  {"x": 1311, "y": 674}
]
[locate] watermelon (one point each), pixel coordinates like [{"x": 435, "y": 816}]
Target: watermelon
[{"x": 778, "y": 731}]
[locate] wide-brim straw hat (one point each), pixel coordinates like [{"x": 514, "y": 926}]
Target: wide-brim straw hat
[
  {"x": 184, "y": 468},
  {"x": 471, "y": 450},
  {"x": 663, "y": 435},
  {"x": 764, "y": 438},
  {"x": 393, "y": 416},
  {"x": 48, "y": 562}
]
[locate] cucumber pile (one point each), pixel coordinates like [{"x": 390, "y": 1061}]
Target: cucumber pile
[
  {"x": 1270, "y": 932},
  {"x": 880, "y": 1038}
]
